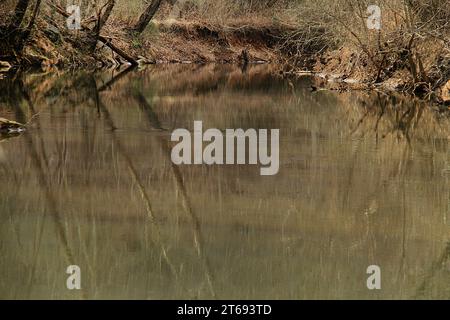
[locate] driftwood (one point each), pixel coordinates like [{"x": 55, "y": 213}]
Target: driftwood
[
  {"x": 105, "y": 40},
  {"x": 120, "y": 52}
]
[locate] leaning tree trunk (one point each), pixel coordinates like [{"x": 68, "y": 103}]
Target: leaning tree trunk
[
  {"x": 102, "y": 17},
  {"x": 147, "y": 16},
  {"x": 19, "y": 14},
  {"x": 27, "y": 31},
  {"x": 13, "y": 35}
]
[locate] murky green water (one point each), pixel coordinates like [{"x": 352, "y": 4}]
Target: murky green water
[{"x": 364, "y": 180}]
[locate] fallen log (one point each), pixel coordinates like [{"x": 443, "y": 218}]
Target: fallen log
[
  {"x": 4, "y": 66},
  {"x": 120, "y": 52},
  {"x": 105, "y": 40},
  {"x": 10, "y": 126}
]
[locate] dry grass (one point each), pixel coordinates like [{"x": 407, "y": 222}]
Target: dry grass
[
  {"x": 411, "y": 52},
  {"x": 412, "y": 46},
  {"x": 414, "y": 35}
]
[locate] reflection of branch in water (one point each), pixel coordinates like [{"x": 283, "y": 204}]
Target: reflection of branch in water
[
  {"x": 407, "y": 120},
  {"x": 403, "y": 253},
  {"x": 143, "y": 192},
  {"x": 115, "y": 78},
  {"x": 348, "y": 184},
  {"x": 187, "y": 206},
  {"x": 382, "y": 107},
  {"x": 38, "y": 240},
  {"x": 38, "y": 125},
  {"x": 51, "y": 199},
  {"x": 401, "y": 114},
  {"x": 435, "y": 267},
  {"x": 399, "y": 170},
  {"x": 360, "y": 121}
]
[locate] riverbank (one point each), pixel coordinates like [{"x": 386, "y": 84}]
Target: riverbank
[{"x": 405, "y": 55}]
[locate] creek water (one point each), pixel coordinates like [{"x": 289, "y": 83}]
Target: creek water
[{"x": 363, "y": 180}]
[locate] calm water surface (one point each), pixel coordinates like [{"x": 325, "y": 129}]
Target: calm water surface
[{"x": 364, "y": 180}]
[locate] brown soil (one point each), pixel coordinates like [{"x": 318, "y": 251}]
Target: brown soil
[
  {"x": 196, "y": 42},
  {"x": 184, "y": 41},
  {"x": 164, "y": 42}
]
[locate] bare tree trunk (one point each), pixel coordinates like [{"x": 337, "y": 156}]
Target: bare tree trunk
[
  {"x": 19, "y": 14},
  {"x": 102, "y": 17},
  {"x": 147, "y": 16},
  {"x": 27, "y": 31},
  {"x": 103, "y": 39},
  {"x": 13, "y": 36}
]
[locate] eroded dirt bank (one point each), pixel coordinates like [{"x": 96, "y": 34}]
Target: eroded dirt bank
[{"x": 422, "y": 68}]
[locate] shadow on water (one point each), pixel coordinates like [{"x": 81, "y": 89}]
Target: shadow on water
[{"x": 362, "y": 181}]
